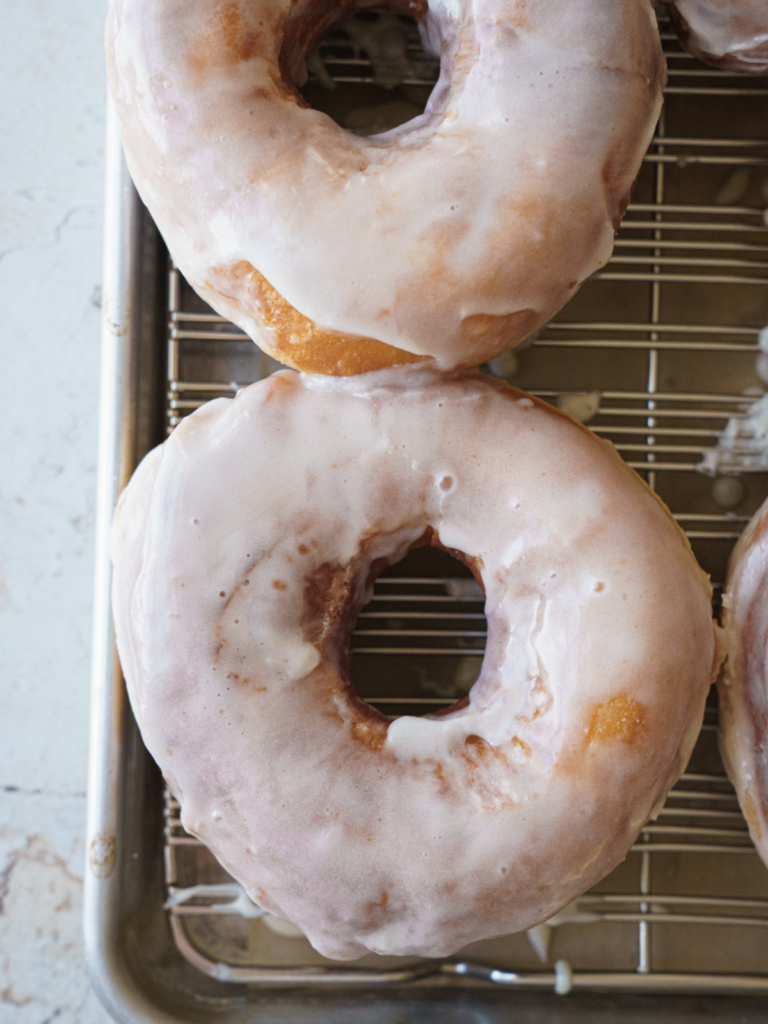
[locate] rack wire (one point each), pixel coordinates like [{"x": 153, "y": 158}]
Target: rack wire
[{"x": 667, "y": 336}]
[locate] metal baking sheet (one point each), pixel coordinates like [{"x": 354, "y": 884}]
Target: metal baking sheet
[{"x": 666, "y": 335}]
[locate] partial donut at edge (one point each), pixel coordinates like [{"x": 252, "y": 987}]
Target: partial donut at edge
[
  {"x": 447, "y": 239},
  {"x": 728, "y": 34},
  {"x": 743, "y": 687}
]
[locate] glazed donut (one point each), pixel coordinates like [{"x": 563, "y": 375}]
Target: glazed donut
[
  {"x": 729, "y": 34},
  {"x": 743, "y": 687},
  {"x": 449, "y": 238},
  {"x": 244, "y": 548}
]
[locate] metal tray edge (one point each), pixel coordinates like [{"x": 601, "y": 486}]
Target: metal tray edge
[{"x": 117, "y": 441}]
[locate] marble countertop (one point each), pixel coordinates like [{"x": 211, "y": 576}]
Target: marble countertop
[{"x": 51, "y": 181}]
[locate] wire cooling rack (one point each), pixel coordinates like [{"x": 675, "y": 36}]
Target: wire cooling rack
[{"x": 664, "y": 340}]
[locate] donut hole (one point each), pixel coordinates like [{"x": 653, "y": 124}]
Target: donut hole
[
  {"x": 370, "y": 72},
  {"x": 418, "y": 644}
]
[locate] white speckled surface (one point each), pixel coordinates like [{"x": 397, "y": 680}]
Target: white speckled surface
[{"x": 51, "y": 185}]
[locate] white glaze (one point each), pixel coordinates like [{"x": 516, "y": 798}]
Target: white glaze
[
  {"x": 743, "y": 689},
  {"x": 742, "y": 444},
  {"x": 581, "y": 406},
  {"x": 731, "y": 34},
  {"x": 599, "y": 656},
  {"x": 500, "y": 200}
]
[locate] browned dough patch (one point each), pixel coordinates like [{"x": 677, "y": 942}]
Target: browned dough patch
[
  {"x": 296, "y": 340},
  {"x": 751, "y": 815},
  {"x": 484, "y": 330},
  {"x": 226, "y": 40},
  {"x": 619, "y": 719},
  {"x": 328, "y": 596},
  {"x": 371, "y": 733}
]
